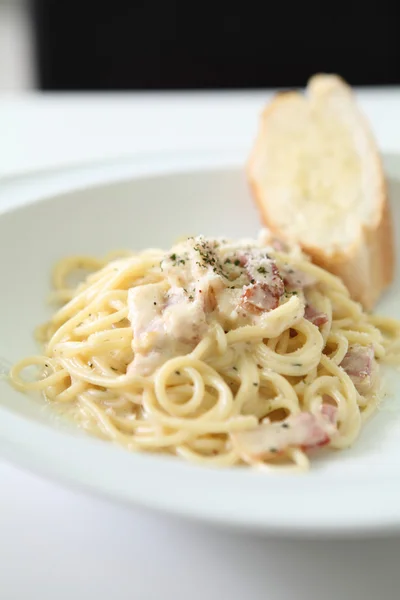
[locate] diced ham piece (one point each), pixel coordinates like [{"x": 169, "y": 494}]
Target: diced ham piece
[
  {"x": 305, "y": 431},
  {"x": 359, "y": 364},
  {"x": 315, "y": 316}
]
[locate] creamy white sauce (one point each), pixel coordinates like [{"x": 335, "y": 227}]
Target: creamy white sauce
[{"x": 205, "y": 281}]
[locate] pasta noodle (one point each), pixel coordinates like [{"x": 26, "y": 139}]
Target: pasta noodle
[{"x": 219, "y": 352}]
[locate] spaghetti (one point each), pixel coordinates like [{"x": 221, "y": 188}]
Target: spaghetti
[{"x": 220, "y": 352}]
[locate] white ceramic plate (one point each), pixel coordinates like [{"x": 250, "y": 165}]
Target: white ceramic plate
[{"x": 353, "y": 491}]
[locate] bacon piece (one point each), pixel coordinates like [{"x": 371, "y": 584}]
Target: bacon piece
[
  {"x": 259, "y": 297},
  {"x": 208, "y": 297},
  {"x": 164, "y": 325},
  {"x": 265, "y": 291},
  {"x": 329, "y": 411},
  {"x": 306, "y": 431},
  {"x": 243, "y": 260},
  {"x": 277, "y": 281},
  {"x": 315, "y": 316},
  {"x": 279, "y": 245},
  {"x": 359, "y": 363},
  {"x": 297, "y": 280}
]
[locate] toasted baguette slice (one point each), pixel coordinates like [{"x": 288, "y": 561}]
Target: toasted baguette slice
[{"x": 317, "y": 177}]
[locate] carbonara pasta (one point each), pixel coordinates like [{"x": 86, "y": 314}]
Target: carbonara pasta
[{"x": 217, "y": 351}]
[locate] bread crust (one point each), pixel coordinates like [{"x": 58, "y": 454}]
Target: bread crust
[{"x": 367, "y": 266}]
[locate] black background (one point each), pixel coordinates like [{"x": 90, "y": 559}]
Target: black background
[{"x": 181, "y": 44}]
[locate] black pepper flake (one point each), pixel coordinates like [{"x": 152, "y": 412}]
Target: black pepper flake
[
  {"x": 273, "y": 450},
  {"x": 297, "y": 365},
  {"x": 177, "y": 372},
  {"x": 235, "y": 368},
  {"x": 155, "y": 303},
  {"x": 285, "y": 425},
  {"x": 255, "y": 384},
  {"x": 46, "y": 365},
  {"x": 237, "y": 262},
  {"x": 252, "y": 281},
  {"x": 90, "y": 365}
]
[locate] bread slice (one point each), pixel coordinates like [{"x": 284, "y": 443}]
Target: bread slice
[{"x": 317, "y": 177}]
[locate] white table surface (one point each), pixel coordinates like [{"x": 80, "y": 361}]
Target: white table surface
[
  {"x": 61, "y": 544},
  {"x": 42, "y": 131}
]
